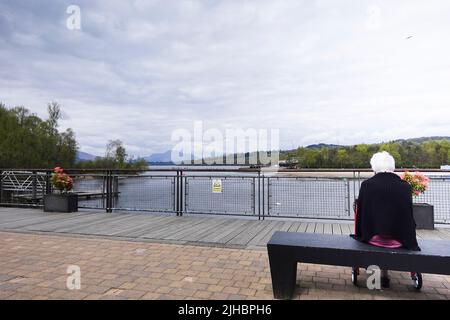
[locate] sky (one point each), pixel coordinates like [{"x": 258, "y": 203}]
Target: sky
[{"x": 341, "y": 72}]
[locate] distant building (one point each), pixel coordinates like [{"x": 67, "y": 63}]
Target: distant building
[
  {"x": 446, "y": 167},
  {"x": 292, "y": 163}
]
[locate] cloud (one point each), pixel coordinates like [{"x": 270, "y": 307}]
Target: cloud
[{"x": 320, "y": 71}]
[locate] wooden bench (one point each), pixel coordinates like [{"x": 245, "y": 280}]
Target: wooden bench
[{"x": 286, "y": 249}]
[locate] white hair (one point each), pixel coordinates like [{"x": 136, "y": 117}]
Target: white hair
[{"x": 382, "y": 162}]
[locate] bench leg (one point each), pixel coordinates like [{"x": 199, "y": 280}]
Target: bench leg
[{"x": 284, "y": 276}]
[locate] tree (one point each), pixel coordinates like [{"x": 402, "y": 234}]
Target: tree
[
  {"x": 68, "y": 148},
  {"x": 342, "y": 157},
  {"x": 407, "y": 154},
  {"x": 27, "y": 141},
  {"x": 116, "y": 153},
  {"x": 54, "y": 114}
]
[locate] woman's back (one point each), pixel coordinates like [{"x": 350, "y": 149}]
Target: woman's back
[{"x": 385, "y": 209}]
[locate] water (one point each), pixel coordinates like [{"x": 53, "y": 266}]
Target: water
[{"x": 243, "y": 194}]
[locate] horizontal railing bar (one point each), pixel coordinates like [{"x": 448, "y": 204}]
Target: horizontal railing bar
[
  {"x": 310, "y": 217},
  {"x": 242, "y": 169}
]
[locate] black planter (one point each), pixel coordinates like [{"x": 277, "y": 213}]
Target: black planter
[
  {"x": 61, "y": 202},
  {"x": 424, "y": 216}
]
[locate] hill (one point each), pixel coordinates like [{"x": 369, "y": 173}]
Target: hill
[
  {"x": 84, "y": 156},
  {"x": 160, "y": 158},
  {"x": 423, "y": 152}
]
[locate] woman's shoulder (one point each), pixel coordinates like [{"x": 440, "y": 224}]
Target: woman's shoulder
[
  {"x": 405, "y": 185},
  {"x": 385, "y": 178}
]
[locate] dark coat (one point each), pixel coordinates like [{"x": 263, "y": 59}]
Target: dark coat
[{"x": 385, "y": 208}]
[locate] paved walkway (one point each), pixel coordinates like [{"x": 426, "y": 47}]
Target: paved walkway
[
  {"x": 141, "y": 256},
  {"x": 199, "y": 230},
  {"x": 35, "y": 266}
]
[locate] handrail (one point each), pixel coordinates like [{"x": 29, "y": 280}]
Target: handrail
[{"x": 203, "y": 169}]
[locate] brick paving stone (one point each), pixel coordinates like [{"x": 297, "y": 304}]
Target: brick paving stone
[
  {"x": 231, "y": 290},
  {"x": 202, "y": 294},
  {"x": 34, "y": 267},
  {"x": 151, "y": 296},
  {"x": 219, "y": 296}
]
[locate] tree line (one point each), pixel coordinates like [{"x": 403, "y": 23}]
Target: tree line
[
  {"x": 407, "y": 154},
  {"x": 27, "y": 141},
  {"x": 115, "y": 157}
]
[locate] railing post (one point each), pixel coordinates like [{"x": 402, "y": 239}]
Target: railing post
[
  {"x": 104, "y": 190},
  {"x": 254, "y": 196},
  {"x": 263, "y": 196},
  {"x": 34, "y": 186},
  {"x": 116, "y": 187},
  {"x": 259, "y": 195},
  {"x": 111, "y": 191},
  {"x": 177, "y": 193},
  {"x": 347, "y": 184},
  {"x": 174, "y": 194},
  {"x": 181, "y": 193},
  {"x": 1, "y": 186},
  {"x": 108, "y": 191},
  {"x": 48, "y": 186}
]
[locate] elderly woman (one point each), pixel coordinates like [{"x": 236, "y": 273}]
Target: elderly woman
[{"x": 385, "y": 210}]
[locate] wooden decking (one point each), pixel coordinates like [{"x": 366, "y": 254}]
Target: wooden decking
[{"x": 167, "y": 228}]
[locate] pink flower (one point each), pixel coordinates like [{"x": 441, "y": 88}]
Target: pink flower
[{"x": 58, "y": 170}]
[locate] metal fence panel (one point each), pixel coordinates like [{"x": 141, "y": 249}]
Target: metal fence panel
[
  {"x": 144, "y": 193},
  {"x": 23, "y": 188},
  {"x": 130, "y": 192},
  {"x": 91, "y": 190},
  {"x": 308, "y": 197},
  {"x": 438, "y": 194},
  {"x": 237, "y": 196}
]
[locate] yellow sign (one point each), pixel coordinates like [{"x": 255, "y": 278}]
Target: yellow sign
[{"x": 217, "y": 186}]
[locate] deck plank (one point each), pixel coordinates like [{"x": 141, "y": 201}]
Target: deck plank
[
  {"x": 246, "y": 236},
  {"x": 319, "y": 227},
  {"x": 269, "y": 229},
  {"x": 53, "y": 224},
  {"x": 73, "y": 226},
  {"x": 346, "y": 229},
  {"x": 134, "y": 230},
  {"x": 263, "y": 241},
  {"x": 227, "y": 230},
  {"x": 175, "y": 224},
  {"x": 232, "y": 231},
  {"x": 177, "y": 233},
  {"x": 235, "y": 232},
  {"x": 294, "y": 226},
  {"x": 212, "y": 229},
  {"x": 302, "y": 227},
  {"x": 194, "y": 234},
  {"x": 336, "y": 228},
  {"x": 311, "y": 227}
]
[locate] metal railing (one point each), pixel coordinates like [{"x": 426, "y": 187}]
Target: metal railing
[
  {"x": 309, "y": 197},
  {"x": 318, "y": 194},
  {"x": 24, "y": 188},
  {"x": 237, "y": 196}
]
